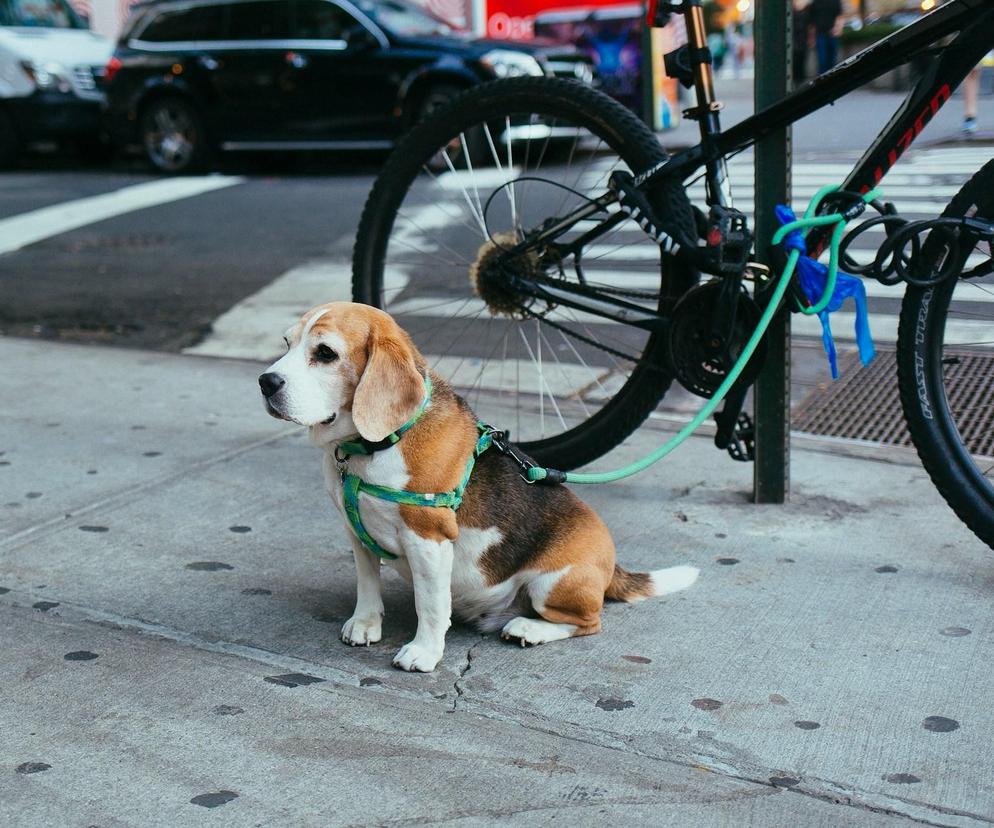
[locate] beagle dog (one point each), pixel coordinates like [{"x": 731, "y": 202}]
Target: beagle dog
[{"x": 534, "y": 562}]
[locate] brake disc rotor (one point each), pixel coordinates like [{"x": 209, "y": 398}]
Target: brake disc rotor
[{"x": 701, "y": 361}]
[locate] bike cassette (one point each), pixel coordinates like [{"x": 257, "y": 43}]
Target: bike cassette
[
  {"x": 701, "y": 358},
  {"x": 489, "y": 275}
]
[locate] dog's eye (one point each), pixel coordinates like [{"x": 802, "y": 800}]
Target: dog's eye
[{"x": 324, "y": 354}]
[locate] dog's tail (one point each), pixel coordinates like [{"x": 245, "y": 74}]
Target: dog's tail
[{"x": 636, "y": 586}]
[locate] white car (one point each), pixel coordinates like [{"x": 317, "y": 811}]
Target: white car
[{"x": 49, "y": 67}]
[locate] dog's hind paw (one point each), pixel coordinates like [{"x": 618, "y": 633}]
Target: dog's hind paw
[{"x": 535, "y": 631}]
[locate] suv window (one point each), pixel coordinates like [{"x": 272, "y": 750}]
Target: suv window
[
  {"x": 54, "y": 14},
  {"x": 259, "y": 20},
  {"x": 183, "y": 24},
  {"x": 320, "y": 20},
  {"x": 404, "y": 18}
]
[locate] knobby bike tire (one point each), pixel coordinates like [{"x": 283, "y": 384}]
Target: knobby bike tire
[
  {"x": 924, "y": 313},
  {"x": 635, "y": 145}
]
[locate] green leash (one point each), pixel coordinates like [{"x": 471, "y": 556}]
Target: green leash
[{"x": 809, "y": 220}]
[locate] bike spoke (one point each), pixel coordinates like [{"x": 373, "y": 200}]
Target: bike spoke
[
  {"x": 478, "y": 215},
  {"x": 509, "y": 188},
  {"x": 537, "y": 361},
  {"x": 562, "y": 371}
]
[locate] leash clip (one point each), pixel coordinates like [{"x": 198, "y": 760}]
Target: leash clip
[{"x": 499, "y": 440}]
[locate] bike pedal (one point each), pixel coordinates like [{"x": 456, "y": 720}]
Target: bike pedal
[{"x": 742, "y": 445}]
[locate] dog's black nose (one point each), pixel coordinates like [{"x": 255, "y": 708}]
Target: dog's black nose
[{"x": 270, "y": 384}]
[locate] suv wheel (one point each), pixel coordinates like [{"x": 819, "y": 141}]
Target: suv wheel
[
  {"x": 9, "y": 144},
  {"x": 173, "y": 136},
  {"x": 436, "y": 98}
]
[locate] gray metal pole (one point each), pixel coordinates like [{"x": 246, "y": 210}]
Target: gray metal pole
[{"x": 771, "y": 473}]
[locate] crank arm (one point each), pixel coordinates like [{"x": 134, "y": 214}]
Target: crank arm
[
  {"x": 979, "y": 271},
  {"x": 606, "y": 307}
]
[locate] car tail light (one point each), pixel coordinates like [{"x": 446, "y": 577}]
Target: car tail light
[{"x": 111, "y": 69}]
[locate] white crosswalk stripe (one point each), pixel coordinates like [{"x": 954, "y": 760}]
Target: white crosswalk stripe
[{"x": 21, "y": 230}]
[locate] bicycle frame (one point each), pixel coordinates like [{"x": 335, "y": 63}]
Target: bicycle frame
[{"x": 970, "y": 21}]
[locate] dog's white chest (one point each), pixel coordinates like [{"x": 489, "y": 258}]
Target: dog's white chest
[{"x": 380, "y": 517}]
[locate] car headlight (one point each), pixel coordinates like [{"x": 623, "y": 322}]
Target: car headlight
[
  {"x": 48, "y": 75},
  {"x": 505, "y": 63}
]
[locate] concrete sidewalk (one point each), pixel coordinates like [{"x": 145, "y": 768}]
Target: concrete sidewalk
[{"x": 173, "y": 582}]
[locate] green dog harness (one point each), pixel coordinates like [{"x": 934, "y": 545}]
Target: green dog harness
[{"x": 353, "y": 485}]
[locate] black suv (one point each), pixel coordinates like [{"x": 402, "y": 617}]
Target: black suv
[{"x": 192, "y": 76}]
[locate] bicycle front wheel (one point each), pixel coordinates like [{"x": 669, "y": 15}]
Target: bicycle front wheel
[
  {"x": 946, "y": 368},
  {"x": 479, "y": 176}
]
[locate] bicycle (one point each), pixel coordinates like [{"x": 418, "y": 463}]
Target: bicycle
[{"x": 538, "y": 266}]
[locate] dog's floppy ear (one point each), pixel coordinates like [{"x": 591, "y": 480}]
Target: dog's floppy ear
[{"x": 391, "y": 389}]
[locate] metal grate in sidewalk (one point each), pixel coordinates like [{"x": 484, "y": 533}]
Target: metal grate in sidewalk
[{"x": 864, "y": 403}]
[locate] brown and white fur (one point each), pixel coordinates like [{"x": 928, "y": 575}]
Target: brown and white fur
[{"x": 532, "y": 561}]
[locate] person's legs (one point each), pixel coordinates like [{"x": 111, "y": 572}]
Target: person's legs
[
  {"x": 971, "y": 87},
  {"x": 822, "y": 46},
  {"x": 832, "y": 49}
]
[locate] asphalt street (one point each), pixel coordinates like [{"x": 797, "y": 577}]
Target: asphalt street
[{"x": 157, "y": 276}]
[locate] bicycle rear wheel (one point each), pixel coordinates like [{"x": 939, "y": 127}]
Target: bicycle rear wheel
[
  {"x": 946, "y": 369},
  {"x": 474, "y": 179}
]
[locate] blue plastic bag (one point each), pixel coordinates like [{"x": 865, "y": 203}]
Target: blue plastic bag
[{"x": 813, "y": 277}]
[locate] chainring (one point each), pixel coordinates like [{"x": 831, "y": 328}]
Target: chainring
[{"x": 699, "y": 362}]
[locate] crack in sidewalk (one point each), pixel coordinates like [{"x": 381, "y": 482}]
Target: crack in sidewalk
[{"x": 463, "y": 670}]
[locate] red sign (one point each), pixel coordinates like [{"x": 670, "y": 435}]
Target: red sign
[{"x": 515, "y": 19}]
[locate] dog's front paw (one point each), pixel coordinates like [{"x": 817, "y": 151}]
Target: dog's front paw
[
  {"x": 416, "y": 659},
  {"x": 362, "y": 631}
]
